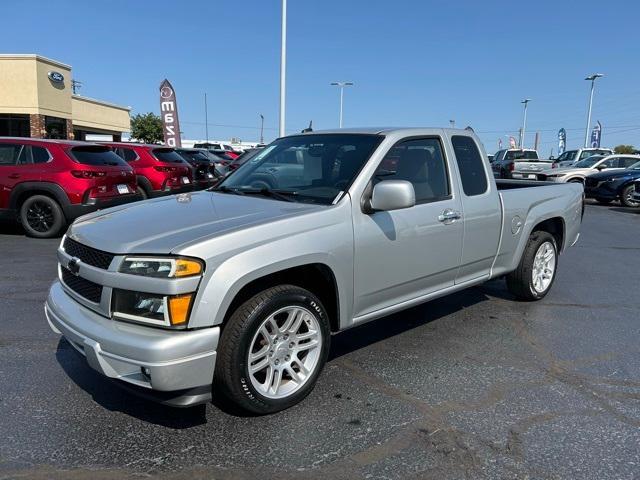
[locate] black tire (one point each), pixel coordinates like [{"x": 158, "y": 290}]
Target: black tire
[
  {"x": 604, "y": 201},
  {"x": 626, "y": 198},
  {"x": 520, "y": 281},
  {"x": 142, "y": 192},
  {"x": 575, "y": 180},
  {"x": 42, "y": 217},
  {"x": 231, "y": 376}
]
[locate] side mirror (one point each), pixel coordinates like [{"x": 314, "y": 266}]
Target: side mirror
[
  {"x": 392, "y": 195},
  {"x": 602, "y": 166}
]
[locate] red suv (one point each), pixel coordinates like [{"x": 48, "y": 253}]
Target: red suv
[
  {"x": 46, "y": 184},
  {"x": 159, "y": 170}
]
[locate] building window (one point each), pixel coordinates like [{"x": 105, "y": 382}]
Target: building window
[
  {"x": 55, "y": 127},
  {"x": 14, "y": 125}
]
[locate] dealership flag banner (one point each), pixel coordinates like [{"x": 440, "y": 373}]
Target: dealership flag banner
[
  {"x": 596, "y": 133},
  {"x": 169, "y": 114},
  {"x": 562, "y": 141}
]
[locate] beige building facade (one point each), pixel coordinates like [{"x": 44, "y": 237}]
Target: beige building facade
[{"x": 37, "y": 100}]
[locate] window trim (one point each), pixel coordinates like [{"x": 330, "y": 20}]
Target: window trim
[
  {"x": 369, "y": 189},
  {"x": 486, "y": 172}
]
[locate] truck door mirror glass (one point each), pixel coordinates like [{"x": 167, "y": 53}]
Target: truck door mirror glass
[{"x": 392, "y": 195}]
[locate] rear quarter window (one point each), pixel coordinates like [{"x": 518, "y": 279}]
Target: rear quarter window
[
  {"x": 470, "y": 165},
  {"x": 167, "y": 155},
  {"x": 40, "y": 155},
  {"x": 96, "y": 155}
]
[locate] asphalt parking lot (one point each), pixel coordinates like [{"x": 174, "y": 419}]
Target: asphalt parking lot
[{"x": 474, "y": 385}]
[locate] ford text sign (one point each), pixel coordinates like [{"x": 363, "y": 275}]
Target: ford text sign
[{"x": 169, "y": 114}]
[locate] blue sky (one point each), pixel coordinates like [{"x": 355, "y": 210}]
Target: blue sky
[{"x": 414, "y": 63}]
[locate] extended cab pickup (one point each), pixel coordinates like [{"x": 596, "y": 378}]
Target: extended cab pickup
[{"x": 238, "y": 290}]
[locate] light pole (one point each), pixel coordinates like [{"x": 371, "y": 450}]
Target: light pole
[
  {"x": 283, "y": 67},
  {"x": 341, "y": 85},
  {"x": 206, "y": 118},
  {"x": 261, "y": 128},
  {"x": 524, "y": 121},
  {"x": 593, "y": 82}
]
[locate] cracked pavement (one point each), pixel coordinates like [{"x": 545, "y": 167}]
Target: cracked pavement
[{"x": 474, "y": 385}]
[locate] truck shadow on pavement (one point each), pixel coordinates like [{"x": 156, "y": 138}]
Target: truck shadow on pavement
[{"x": 113, "y": 397}]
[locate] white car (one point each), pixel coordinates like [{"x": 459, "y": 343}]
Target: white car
[
  {"x": 583, "y": 168},
  {"x": 571, "y": 157}
]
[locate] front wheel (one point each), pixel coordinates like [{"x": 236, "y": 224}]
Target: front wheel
[
  {"x": 273, "y": 349},
  {"x": 536, "y": 271},
  {"x": 626, "y": 196}
]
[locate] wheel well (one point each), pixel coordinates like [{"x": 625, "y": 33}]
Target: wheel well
[
  {"x": 555, "y": 226},
  {"x": 30, "y": 193},
  {"x": 576, "y": 180},
  {"x": 316, "y": 277}
]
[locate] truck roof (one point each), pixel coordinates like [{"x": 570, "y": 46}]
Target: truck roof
[{"x": 390, "y": 130}]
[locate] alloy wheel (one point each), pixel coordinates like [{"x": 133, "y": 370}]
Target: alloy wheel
[
  {"x": 40, "y": 216},
  {"x": 544, "y": 266}
]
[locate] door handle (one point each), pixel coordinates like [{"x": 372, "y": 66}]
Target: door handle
[
  {"x": 449, "y": 216},
  {"x": 14, "y": 175}
]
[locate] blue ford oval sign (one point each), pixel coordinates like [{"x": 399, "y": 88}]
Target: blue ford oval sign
[{"x": 56, "y": 77}]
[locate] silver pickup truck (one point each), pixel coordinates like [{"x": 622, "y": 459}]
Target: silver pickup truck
[{"x": 237, "y": 290}]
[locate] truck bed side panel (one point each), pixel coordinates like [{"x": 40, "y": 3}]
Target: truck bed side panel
[{"x": 525, "y": 208}]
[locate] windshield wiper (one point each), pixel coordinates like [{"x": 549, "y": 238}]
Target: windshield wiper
[
  {"x": 225, "y": 189},
  {"x": 284, "y": 195}
]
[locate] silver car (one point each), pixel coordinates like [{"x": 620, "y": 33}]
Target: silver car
[{"x": 583, "y": 168}]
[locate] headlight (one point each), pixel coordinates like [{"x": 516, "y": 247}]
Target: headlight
[
  {"x": 161, "y": 267},
  {"x": 167, "y": 311}
]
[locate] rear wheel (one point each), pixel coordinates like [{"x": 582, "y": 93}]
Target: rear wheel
[
  {"x": 42, "y": 217},
  {"x": 626, "y": 196},
  {"x": 142, "y": 192},
  {"x": 536, "y": 271},
  {"x": 272, "y": 350}
]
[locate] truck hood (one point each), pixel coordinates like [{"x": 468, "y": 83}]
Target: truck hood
[{"x": 162, "y": 225}]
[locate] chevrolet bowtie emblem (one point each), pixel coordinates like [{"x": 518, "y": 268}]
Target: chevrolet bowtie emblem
[{"x": 73, "y": 266}]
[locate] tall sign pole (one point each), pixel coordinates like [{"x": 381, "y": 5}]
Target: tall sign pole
[
  {"x": 283, "y": 68},
  {"x": 169, "y": 115}
]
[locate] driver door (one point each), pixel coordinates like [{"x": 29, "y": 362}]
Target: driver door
[{"x": 403, "y": 254}]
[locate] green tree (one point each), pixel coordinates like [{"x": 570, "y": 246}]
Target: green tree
[
  {"x": 624, "y": 149},
  {"x": 147, "y": 127}
]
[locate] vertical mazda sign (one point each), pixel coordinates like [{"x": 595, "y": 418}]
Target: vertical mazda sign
[{"x": 169, "y": 114}]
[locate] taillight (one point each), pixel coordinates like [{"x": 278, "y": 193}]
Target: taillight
[
  {"x": 165, "y": 169},
  {"x": 554, "y": 165},
  {"x": 87, "y": 173},
  {"x": 512, "y": 167}
]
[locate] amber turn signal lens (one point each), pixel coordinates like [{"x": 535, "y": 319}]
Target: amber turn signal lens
[
  {"x": 179, "y": 308},
  {"x": 186, "y": 267}
]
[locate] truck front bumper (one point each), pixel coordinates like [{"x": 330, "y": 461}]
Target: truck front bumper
[{"x": 152, "y": 359}]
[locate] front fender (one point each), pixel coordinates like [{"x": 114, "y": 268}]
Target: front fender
[{"x": 330, "y": 244}]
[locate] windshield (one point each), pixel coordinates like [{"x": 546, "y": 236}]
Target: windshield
[
  {"x": 589, "y": 153},
  {"x": 568, "y": 155},
  {"x": 588, "y": 162},
  {"x": 521, "y": 155},
  {"x": 168, "y": 155},
  {"x": 309, "y": 168},
  {"x": 96, "y": 155}
]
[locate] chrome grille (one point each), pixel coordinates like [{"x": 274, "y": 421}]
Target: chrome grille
[
  {"x": 90, "y": 256},
  {"x": 83, "y": 287}
]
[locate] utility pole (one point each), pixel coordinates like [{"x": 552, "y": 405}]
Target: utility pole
[
  {"x": 524, "y": 122},
  {"x": 283, "y": 68},
  {"x": 75, "y": 85},
  {"x": 341, "y": 85},
  {"x": 452, "y": 123},
  {"x": 261, "y": 128},
  {"x": 593, "y": 82},
  {"x": 206, "y": 118}
]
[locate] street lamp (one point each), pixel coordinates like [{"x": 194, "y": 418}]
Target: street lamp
[
  {"x": 283, "y": 67},
  {"x": 261, "y": 129},
  {"x": 341, "y": 85},
  {"x": 593, "y": 81},
  {"x": 524, "y": 121}
]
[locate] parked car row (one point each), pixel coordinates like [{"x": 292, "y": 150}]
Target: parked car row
[
  {"x": 46, "y": 184},
  {"x": 606, "y": 176}
]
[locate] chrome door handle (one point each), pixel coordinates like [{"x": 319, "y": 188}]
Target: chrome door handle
[{"x": 449, "y": 216}]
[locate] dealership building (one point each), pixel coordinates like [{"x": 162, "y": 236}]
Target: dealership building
[{"x": 37, "y": 100}]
